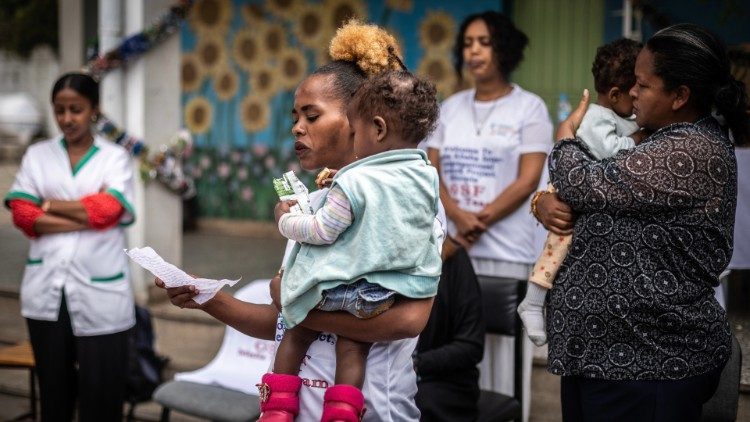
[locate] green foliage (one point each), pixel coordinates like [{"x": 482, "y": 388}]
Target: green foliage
[{"x": 24, "y": 24}]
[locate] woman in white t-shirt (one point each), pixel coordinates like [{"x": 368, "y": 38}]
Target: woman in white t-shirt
[
  {"x": 490, "y": 148},
  {"x": 322, "y": 139}
]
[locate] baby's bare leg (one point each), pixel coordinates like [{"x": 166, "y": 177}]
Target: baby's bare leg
[
  {"x": 292, "y": 350},
  {"x": 351, "y": 361}
]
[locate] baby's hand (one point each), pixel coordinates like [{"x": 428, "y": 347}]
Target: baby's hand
[
  {"x": 283, "y": 207},
  {"x": 325, "y": 177},
  {"x": 639, "y": 135}
]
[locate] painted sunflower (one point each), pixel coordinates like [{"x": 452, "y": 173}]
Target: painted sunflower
[
  {"x": 211, "y": 16},
  {"x": 211, "y": 52},
  {"x": 254, "y": 113},
  {"x": 264, "y": 81},
  {"x": 226, "y": 83},
  {"x": 309, "y": 26},
  {"x": 191, "y": 72},
  {"x": 272, "y": 40},
  {"x": 339, "y": 12},
  {"x": 252, "y": 14},
  {"x": 246, "y": 49},
  {"x": 400, "y": 5},
  {"x": 198, "y": 115},
  {"x": 437, "y": 31},
  {"x": 292, "y": 68},
  {"x": 437, "y": 68},
  {"x": 285, "y": 9}
]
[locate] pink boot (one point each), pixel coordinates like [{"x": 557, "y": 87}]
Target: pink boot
[
  {"x": 343, "y": 403},
  {"x": 279, "y": 401}
]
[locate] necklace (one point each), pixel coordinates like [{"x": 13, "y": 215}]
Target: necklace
[{"x": 479, "y": 124}]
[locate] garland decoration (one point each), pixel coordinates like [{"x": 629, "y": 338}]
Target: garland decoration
[
  {"x": 165, "y": 165},
  {"x": 140, "y": 43}
]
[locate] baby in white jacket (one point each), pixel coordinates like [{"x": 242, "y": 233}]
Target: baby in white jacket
[{"x": 607, "y": 127}]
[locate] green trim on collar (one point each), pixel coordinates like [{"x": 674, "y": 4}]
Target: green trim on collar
[
  {"x": 117, "y": 276},
  {"x": 90, "y": 153},
  {"x": 31, "y": 261},
  {"x": 20, "y": 195},
  {"x": 125, "y": 204}
]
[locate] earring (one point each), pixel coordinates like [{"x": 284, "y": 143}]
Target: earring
[{"x": 94, "y": 118}]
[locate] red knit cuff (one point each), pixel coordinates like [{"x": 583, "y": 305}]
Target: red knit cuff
[
  {"x": 103, "y": 209},
  {"x": 25, "y": 213}
]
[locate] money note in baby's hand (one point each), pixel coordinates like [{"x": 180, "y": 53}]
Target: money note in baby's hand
[{"x": 289, "y": 187}]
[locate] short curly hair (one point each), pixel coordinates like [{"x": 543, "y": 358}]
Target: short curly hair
[
  {"x": 508, "y": 42},
  {"x": 614, "y": 65},
  {"x": 407, "y": 103}
]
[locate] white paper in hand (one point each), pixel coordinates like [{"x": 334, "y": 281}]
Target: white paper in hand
[{"x": 175, "y": 277}]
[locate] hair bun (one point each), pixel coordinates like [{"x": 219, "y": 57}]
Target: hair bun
[
  {"x": 731, "y": 93},
  {"x": 367, "y": 46}
]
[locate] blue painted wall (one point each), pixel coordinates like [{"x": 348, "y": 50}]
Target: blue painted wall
[{"x": 233, "y": 165}]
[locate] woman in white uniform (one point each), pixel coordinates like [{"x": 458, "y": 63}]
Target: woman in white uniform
[
  {"x": 490, "y": 147},
  {"x": 72, "y": 197}
]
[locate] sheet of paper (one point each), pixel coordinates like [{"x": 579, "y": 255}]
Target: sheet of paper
[{"x": 174, "y": 277}]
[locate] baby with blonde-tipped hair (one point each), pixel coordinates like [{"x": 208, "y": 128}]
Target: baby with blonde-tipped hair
[{"x": 374, "y": 239}]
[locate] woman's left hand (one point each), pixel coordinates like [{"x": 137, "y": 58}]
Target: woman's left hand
[
  {"x": 569, "y": 126},
  {"x": 466, "y": 241}
]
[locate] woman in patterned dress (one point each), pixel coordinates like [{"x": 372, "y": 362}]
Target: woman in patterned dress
[{"x": 634, "y": 328}]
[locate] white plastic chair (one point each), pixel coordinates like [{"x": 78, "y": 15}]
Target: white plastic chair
[{"x": 224, "y": 389}]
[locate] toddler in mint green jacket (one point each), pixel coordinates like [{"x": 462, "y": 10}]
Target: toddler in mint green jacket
[{"x": 373, "y": 239}]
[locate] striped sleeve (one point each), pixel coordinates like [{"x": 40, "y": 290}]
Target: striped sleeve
[{"x": 323, "y": 227}]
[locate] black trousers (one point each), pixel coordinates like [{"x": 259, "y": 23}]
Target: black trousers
[
  {"x": 91, "y": 369},
  {"x": 446, "y": 401},
  {"x": 585, "y": 400}
]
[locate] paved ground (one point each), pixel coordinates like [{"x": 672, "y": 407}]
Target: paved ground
[{"x": 251, "y": 257}]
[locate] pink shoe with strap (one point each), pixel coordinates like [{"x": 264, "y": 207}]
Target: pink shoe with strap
[
  {"x": 343, "y": 403},
  {"x": 279, "y": 397}
]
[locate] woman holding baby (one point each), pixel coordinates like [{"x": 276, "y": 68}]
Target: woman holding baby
[
  {"x": 633, "y": 326},
  {"x": 322, "y": 134}
]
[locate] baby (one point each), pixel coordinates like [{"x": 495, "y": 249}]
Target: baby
[
  {"x": 371, "y": 241},
  {"x": 607, "y": 127}
]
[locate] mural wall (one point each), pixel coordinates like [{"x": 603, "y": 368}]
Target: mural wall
[{"x": 241, "y": 62}]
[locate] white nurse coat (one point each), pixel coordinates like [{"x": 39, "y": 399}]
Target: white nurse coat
[{"x": 88, "y": 265}]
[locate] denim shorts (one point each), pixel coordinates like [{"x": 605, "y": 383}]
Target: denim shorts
[{"x": 361, "y": 299}]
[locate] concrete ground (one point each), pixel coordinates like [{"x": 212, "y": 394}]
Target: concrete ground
[{"x": 252, "y": 257}]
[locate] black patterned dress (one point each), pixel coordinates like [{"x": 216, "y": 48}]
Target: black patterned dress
[{"x": 634, "y": 298}]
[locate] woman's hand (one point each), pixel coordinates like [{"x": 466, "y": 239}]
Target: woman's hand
[
  {"x": 450, "y": 247},
  {"x": 468, "y": 224},
  {"x": 282, "y": 208},
  {"x": 275, "y": 288},
  {"x": 569, "y": 126},
  {"x": 180, "y": 296},
  {"x": 554, "y": 214}
]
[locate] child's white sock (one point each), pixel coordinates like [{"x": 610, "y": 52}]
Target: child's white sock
[{"x": 531, "y": 311}]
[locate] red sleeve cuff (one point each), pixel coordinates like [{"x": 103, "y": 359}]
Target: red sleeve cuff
[
  {"x": 103, "y": 209},
  {"x": 25, "y": 213}
]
